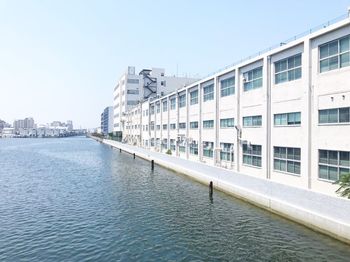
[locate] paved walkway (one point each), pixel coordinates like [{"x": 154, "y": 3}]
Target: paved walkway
[{"x": 325, "y": 213}]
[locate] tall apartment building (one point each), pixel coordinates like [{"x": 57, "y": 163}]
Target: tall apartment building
[
  {"x": 133, "y": 88},
  {"x": 107, "y": 120},
  {"x": 283, "y": 115},
  {"x": 26, "y": 123}
]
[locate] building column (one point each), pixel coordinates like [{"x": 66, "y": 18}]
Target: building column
[
  {"x": 267, "y": 84},
  {"x": 238, "y": 121},
  {"x": 200, "y": 145},
  {"x": 217, "y": 122}
]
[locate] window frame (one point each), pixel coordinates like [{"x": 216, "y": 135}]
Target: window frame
[
  {"x": 208, "y": 95},
  {"x": 253, "y": 118},
  {"x": 288, "y": 69},
  {"x": 329, "y": 163},
  {"x": 251, "y": 80},
  {"x": 194, "y": 100},
  {"x": 251, "y": 152},
  {"x": 286, "y": 159},
  {"x": 206, "y": 124},
  {"x": 229, "y": 89},
  {"x": 338, "y": 55}
]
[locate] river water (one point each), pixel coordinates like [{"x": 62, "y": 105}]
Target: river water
[{"x": 73, "y": 199}]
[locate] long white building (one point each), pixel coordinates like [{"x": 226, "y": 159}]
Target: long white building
[
  {"x": 283, "y": 115},
  {"x": 133, "y": 88}
]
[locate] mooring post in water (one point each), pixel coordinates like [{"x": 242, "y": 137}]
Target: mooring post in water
[
  {"x": 120, "y": 150},
  {"x": 134, "y": 155},
  {"x": 211, "y": 188},
  {"x": 152, "y": 164}
]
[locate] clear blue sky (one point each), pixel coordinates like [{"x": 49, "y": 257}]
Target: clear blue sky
[{"x": 60, "y": 60}]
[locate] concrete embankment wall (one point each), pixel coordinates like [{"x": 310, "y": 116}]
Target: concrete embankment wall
[{"x": 323, "y": 213}]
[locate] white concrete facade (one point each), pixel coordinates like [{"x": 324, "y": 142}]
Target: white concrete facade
[
  {"x": 281, "y": 116},
  {"x": 133, "y": 88}
]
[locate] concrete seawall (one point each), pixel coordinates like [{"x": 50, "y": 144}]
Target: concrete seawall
[{"x": 323, "y": 213}]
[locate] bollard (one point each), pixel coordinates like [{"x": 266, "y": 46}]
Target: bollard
[
  {"x": 120, "y": 150},
  {"x": 134, "y": 155},
  {"x": 211, "y": 188},
  {"x": 152, "y": 164}
]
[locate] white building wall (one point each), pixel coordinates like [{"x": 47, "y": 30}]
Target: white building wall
[{"x": 309, "y": 94}]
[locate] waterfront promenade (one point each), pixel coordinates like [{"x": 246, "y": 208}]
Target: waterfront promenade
[{"x": 320, "y": 212}]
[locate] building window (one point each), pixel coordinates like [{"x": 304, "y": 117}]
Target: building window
[
  {"x": 172, "y": 103},
  {"x": 165, "y": 127},
  {"x": 252, "y": 155},
  {"x": 208, "y": 124},
  {"x": 182, "y": 125},
  {"x": 252, "y": 121},
  {"x": 151, "y": 110},
  {"x": 172, "y": 145},
  {"x": 287, "y": 159},
  {"x": 132, "y": 81},
  {"x": 172, "y": 126},
  {"x": 208, "y": 149},
  {"x": 165, "y": 144},
  {"x": 334, "y": 116},
  {"x": 158, "y": 127},
  {"x": 194, "y": 97},
  {"x": 194, "y": 148},
  {"x": 132, "y": 103},
  {"x": 194, "y": 125},
  {"x": 335, "y": 54},
  {"x": 333, "y": 164},
  {"x": 158, "y": 108},
  {"x": 208, "y": 93},
  {"x": 287, "y": 119},
  {"x": 165, "y": 106},
  {"x": 227, "y": 123},
  {"x": 151, "y": 126},
  {"x": 253, "y": 79},
  {"x": 182, "y": 149},
  {"x": 288, "y": 69},
  {"x": 226, "y": 153},
  {"x": 132, "y": 92},
  {"x": 182, "y": 100},
  {"x": 227, "y": 86}
]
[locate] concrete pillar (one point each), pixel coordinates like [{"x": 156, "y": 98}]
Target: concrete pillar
[
  {"x": 238, "y": 121},
  {"x": 268, "y": 123},
  {"x": 200, "y": 101},
  {"x": 217, "y": 121},
  {"x": 309, "y": 94}
]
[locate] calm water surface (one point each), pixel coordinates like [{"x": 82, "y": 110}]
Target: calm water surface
[{"x": 77, "y": 200}]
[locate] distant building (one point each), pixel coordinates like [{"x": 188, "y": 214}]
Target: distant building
[
  {"x": 133, "y": 88},
  {"x": 29, "y": 123},
  {"x": 26, "y": 123},
  {"x": 8, "y": 132},
  {"x": 107, "y": 120},
  {"x": 3, "y": 124},
  {"x": 69, "y": 125},
  {"x": 56, "y": 124}
]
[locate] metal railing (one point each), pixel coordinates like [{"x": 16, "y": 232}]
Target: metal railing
[{"x": 308, "y": 32}]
